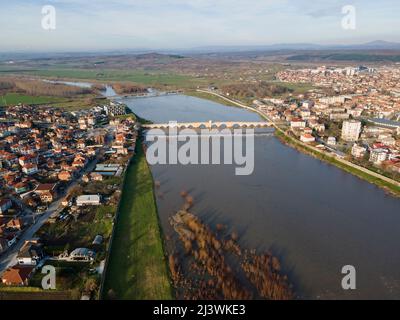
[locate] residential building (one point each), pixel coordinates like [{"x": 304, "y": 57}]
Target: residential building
[
  {"x": 297, "y": 123},
  {"x": 115, "y": 109},
  {"x": 30, "y": 254},
  {"x": 377, "y": 156},
  {"x": 331, "y": 141},
  {"x": 88, "y": 200},
  {"x": 351, "y": 130},
  {"x": 64, "y": 176},
  {"x": 30, "y": 168},
  {"x": 358, "y": 151},
  {"x": 17, "y": 276},
  {"x": 307, "y": 138},
  {"x": 46, "y": 192}
]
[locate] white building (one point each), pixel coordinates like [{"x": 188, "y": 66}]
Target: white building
[
  {"x": 351, "y": 130},
  {"x": 297, "y": 123},
  {"x": 30, "y": 168},
  {"x": 88, "y": 200},
  {"x": 331, "y": 141},
  {"x": 358, "y": 151},
  {"x": 307, "y": 138},
  {"x": 115, "y": 109},
  {"x": 377, "y": 156}
]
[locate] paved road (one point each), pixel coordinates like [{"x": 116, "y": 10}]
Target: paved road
[
  {"x": 348, "y": 163},
  {"x": 9, "y": 258}
]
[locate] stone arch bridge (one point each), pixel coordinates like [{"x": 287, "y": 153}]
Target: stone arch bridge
[{"x": 208, "y": 125}]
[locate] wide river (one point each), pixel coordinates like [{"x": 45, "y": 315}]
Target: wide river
[{"x": 312, "y": 215}]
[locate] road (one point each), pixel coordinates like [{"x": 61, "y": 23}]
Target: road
[
  {"x": 9, "y": 258},
  {"x": 338, "y": 158}
]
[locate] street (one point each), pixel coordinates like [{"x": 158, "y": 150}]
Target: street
[{"x": 9, "y": 258}]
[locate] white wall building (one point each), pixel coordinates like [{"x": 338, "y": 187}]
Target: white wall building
[
  {"x": 351, "y": 130},
  {"x": 88, "y": 200},
  {"x": 377, "y": 156},
  {"x": 358, "y": 151}
]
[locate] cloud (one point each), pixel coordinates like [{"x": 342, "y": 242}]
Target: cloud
[{"x": 108, "y": 24}]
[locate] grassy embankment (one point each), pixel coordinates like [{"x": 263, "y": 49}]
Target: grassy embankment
[
  {"x": 137, "y": 268},
  {"x": 393, "y": 189},
  {"x": 210, "y": 97}
]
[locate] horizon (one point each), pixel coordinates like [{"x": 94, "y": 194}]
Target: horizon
[
  {"x": 227, "y": 48},
  {"x": 127, "y": 25}
]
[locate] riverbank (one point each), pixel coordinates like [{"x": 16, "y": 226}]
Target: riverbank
[
  {"x": 137, "y": 268},
  {"x": 381, "y": 181},
  {"x": 389, "y": 187},
  {"x": 213, "y": 98}
]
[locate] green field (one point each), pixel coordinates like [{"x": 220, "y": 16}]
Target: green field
[
  {"x": 136, "y": 267},
  {"x": 10, "y": 99},
  {"x": 150, "y": 78}
]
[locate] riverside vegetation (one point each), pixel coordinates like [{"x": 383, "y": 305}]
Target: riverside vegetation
[{"x": 212, "y": 265}]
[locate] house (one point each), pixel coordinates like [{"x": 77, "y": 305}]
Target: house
[
  {"x": 297, "y": 123},
  {"x": 5, "y": 204},
  {"x": 15, "y": 224},
  {"x": 307, "y": 130},
  {"x": 45, "y": 187},
  {"x": 377, "y": 156},
  {"x": 331, "y": 141},
  {"x": 82, "y": 254},
  {"x": 28, "y": 159},
  {"x": 81, "y": 144},
  {"x": 30, "y": 168},
  {"x": 392, "y": 166},
  {"x": 47, "y": 197},
  {"x": 88, "y": 200},
  {"x": 96, "y": 176},
  {"x": 30, "y": 254},
  {"x": 307, "y": 138},
  {"x": 17, "y": 276},
  {"x": 120, "y": 138},
  {"x": 21, "y": 187},
  {"x": 46, "y": 192},
  {"x": 64, "y": 176},
  {"x": 358, "y": 151}
]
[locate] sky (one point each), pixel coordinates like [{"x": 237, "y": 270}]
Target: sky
[{"x": 83, "y": 25}]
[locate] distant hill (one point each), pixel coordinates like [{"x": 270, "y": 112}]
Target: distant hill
[{"x": 374, "y": 45}]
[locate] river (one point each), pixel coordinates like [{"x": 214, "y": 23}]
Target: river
[{"x": 315, "y": 217}]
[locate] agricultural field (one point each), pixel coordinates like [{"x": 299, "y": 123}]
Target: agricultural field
[
  {"x": 149, "y": 78},
  {"x": 16, "y": 98}
]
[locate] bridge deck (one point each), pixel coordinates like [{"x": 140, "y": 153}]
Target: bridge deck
[{"x": 208, "y": 124}]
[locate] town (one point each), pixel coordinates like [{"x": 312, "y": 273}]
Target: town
[
  {"x": 61, "y": 175},
  {"x": 359, "y": 121}
]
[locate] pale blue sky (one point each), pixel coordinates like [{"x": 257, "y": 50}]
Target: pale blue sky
[{"x": 176, "y": 24}]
